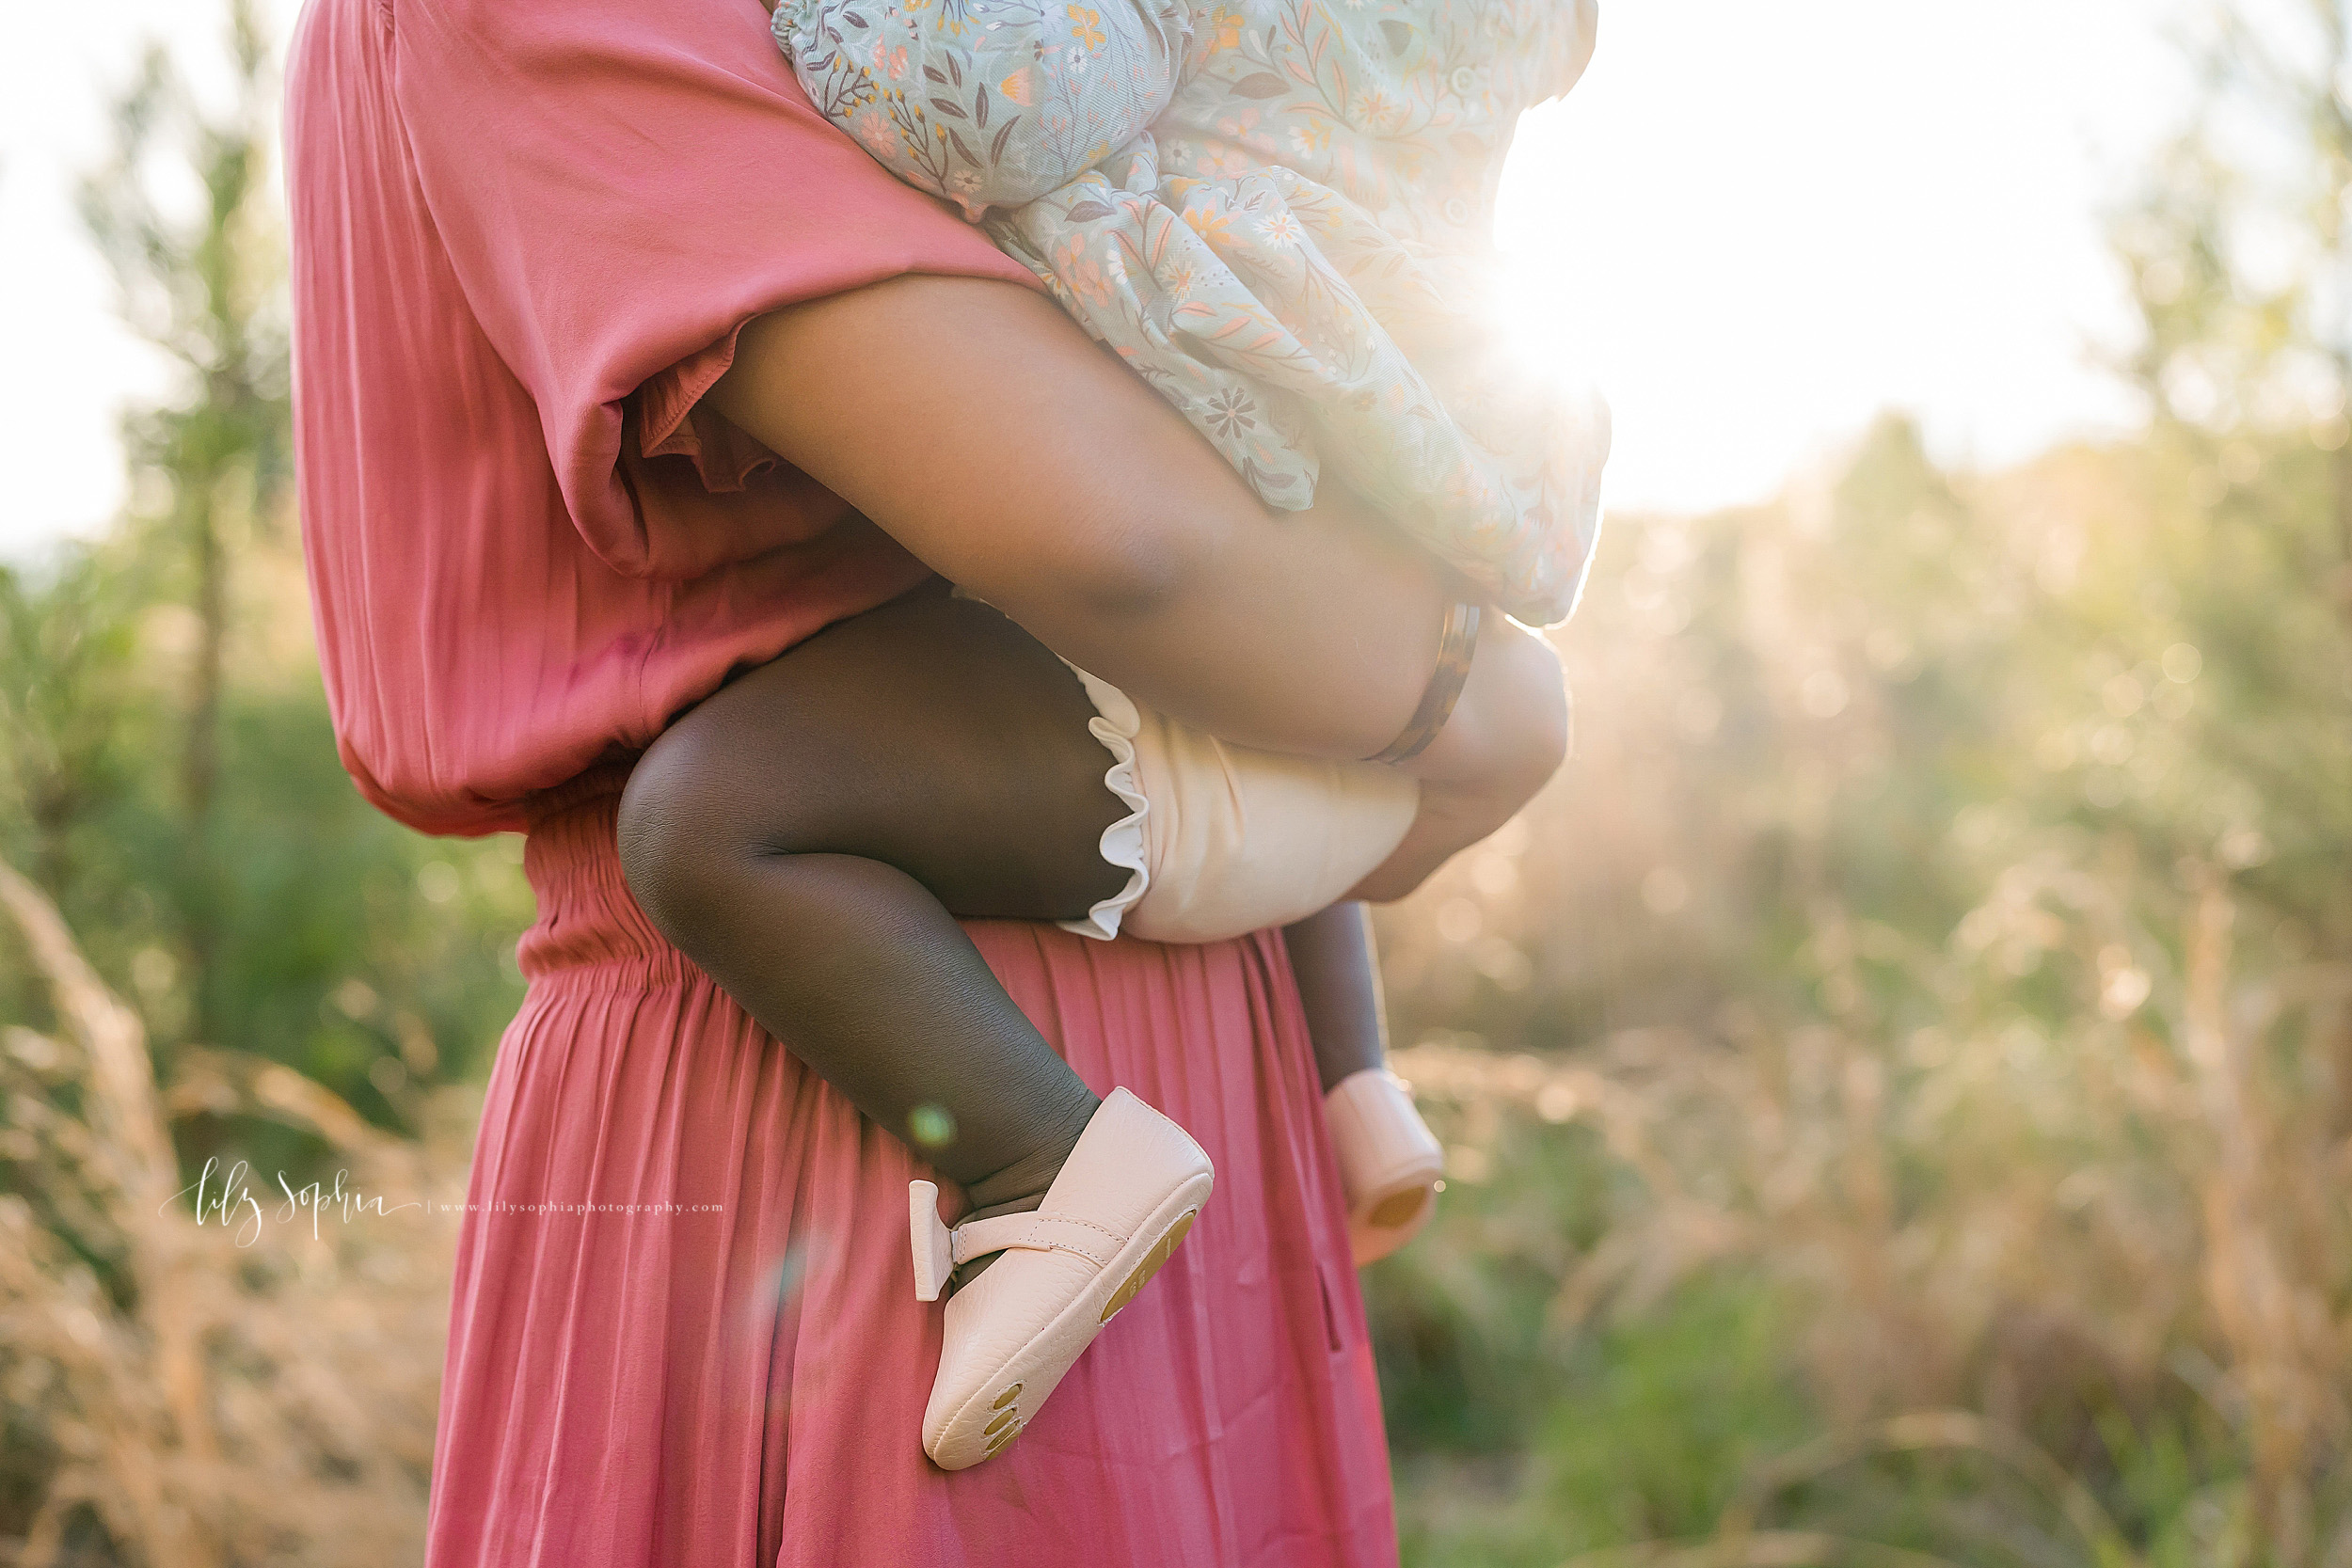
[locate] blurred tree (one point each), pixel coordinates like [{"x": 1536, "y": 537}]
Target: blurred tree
[
  {"x": 2239, "y": 250},
  {"x": 167, "y": 767},
  {"x": 2240, "y": 244},
  {"x": 1946, "y": 921},
  {"x": 206, "y": 288},
  {"x": 68, "y": 648}
]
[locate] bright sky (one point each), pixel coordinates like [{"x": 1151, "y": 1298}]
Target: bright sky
[
  {"x": 66, "y": 366},
  {"x": 1758, "y": 225}
]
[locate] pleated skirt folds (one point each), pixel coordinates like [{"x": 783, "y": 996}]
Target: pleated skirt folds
[{"x": 683, "y": 1335}]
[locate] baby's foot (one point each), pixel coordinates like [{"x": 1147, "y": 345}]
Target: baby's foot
[
  {"x": 1020, "y": 1188},
  {"x": 1389, "y": 1161},
  {"x": 1125, "y": 1198}
]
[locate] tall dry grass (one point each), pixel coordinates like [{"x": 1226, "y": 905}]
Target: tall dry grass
[
  {"x": 2148, "y": 1222},
  {"x": 1941, "y": 928},
  {"x": 1916, "y": 939},
  {"x": 186, "y": 1389}
]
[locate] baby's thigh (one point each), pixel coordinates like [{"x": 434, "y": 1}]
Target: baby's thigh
[{"x": 931, "y": 735}]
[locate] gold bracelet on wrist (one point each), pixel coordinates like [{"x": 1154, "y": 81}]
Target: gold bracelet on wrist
[{"x": 1456, "y": 645}]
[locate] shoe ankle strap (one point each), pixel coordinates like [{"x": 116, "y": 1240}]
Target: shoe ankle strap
[
  {"x": 938, "y": 1250},
  {"x": 1040, "y": 1230}
]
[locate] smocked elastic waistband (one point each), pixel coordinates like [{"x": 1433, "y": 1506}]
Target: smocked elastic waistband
[{"x": 588, "y": 923}]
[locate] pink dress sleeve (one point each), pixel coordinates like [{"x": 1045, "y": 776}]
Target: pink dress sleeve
[
  {"x": 524, "y": 234},
  {"x": 616, "y": 198}
]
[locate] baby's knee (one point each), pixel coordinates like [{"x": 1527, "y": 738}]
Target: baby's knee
[{"x": 673, "y": 831}]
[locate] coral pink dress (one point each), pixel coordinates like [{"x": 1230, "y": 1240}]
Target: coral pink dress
[{"x": 524, "y": 233}]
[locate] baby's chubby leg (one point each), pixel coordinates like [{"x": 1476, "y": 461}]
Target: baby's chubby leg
[
  {"x": 809, "y": 833},
  {"x": 796, "y": 835}
]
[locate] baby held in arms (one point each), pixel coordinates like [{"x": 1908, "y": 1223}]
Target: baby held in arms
[{"x": 1278, "y": 215}]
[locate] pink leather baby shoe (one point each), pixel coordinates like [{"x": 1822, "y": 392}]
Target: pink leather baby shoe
[
  {"x": 1126, "y": 1198},
  {"x": 1389, "y": 1161}
]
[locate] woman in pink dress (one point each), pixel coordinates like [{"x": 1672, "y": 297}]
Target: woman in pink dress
[{"x": 528, "y": 238}]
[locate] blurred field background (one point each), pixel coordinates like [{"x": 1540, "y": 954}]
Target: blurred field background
[{"x": 1898, "y": 1081}]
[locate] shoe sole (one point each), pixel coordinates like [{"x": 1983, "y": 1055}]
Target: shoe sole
[
  {"x": 1395, "y": 1213},
  {"x": 1161, "y": 1251},
  {"x": 1003, "y": 1428},
  {"x": 1001, "y": 1396}
]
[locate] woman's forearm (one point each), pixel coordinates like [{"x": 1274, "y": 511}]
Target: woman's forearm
[{"x": 978, "y": 427}]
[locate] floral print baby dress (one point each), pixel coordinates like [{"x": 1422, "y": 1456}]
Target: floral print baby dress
[{"x": 1279, "y": 213}]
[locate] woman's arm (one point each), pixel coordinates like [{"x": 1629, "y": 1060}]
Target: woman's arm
[{"x": 980, "y": 428}]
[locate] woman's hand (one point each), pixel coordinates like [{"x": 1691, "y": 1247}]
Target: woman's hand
[{"x": 1507, "y": 735}]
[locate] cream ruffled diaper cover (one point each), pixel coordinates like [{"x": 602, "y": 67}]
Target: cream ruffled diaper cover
[{"x": 1221, "y": 840}]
